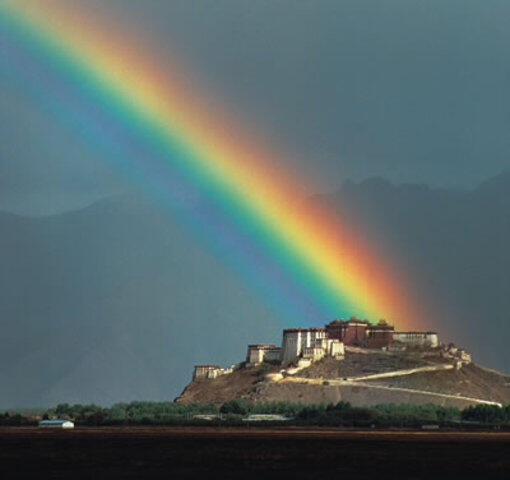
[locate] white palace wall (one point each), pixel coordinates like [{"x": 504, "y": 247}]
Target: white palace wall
[
  {"x": 417, "y": 338},
  {"x": 297, "y": 339}
]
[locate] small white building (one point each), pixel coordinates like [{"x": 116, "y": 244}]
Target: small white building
[
  {"x": 213, "y": 371},
  {"x": 265, "y": 417},
  {"x": 421, "y": 339},
  {"x": 464, "y": 356},
  {"x": 56, "y": 423},
  {"x": 273, "y": 355},
  {"x": 324, "y": 347},
  {"x": 313, "y": 353},
  {"x": 207, "y": 416},
  {"x": 206, "y": 371},
  {"x": 310, "y": 343},
  {"x": 262, "y": 352},
  {"x": 336, "y": 349},
  {"x": 297, "y": 339}
]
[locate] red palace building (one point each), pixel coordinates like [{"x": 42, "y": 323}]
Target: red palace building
[{"x": 361, "y": 333}]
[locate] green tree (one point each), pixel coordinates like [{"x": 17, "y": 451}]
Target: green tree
[{"x": 237, "y": 406}]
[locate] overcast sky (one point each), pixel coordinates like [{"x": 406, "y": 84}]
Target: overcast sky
[{"x": 415, "y": 91}]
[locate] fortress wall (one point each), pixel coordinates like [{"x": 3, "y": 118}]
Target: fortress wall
[
  {"x": 417, "y": 338},
  {"x": 296, "y": 339},
  {"x": 273, "y": 355},
  {"x": 291, "y": 346}
]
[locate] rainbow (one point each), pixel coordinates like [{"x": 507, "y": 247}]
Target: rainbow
[{"x": 152, "y": 120}]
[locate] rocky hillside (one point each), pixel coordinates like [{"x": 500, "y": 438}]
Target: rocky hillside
[{"x": 361, "y": 379}]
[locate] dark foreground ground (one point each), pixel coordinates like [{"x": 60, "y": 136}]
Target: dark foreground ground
[{"x": 195, "y": 452}]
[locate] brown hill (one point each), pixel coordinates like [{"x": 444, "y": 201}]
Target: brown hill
[{"x": 360, "y": 379}]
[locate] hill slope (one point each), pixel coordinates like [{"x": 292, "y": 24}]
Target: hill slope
[{"x": 325, "y": 382}]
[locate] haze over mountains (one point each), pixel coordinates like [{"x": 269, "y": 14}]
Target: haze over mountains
[
  {"x": 453, "y": 246},
  {"x": 115, "y": 301}
]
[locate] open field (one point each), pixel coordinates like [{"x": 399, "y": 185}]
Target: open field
[{"x": 194, "y": 452}]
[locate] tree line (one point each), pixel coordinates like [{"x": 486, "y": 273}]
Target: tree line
[{"x": 233, "y": 412}]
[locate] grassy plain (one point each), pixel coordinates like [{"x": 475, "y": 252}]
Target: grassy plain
[{"x": 200, "y": 452}]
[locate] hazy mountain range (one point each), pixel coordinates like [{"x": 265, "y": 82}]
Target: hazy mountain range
[
  {"x": 115, "y": 302},
  {"x": 453, "y": 246}
]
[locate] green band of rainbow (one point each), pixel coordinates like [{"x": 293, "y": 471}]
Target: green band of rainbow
[{"x": 339, "y": 271}]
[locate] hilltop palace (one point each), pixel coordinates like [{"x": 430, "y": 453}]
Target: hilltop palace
[{"x": 306, "y": 345}]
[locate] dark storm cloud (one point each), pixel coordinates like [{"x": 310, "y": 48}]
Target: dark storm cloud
[
  {"x": 414, "y": 91},
  {"x": 42, "y": 168},
  {"x": 410, "y": 90}
]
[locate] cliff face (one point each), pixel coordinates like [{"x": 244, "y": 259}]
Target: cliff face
[
  {"x": 240, "y": 383},
  {"x": 362, "y": 380}
]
